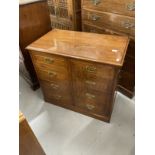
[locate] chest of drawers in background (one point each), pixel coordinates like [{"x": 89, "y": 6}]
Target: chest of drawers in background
[
  {"x": 114, "y": 17},
  {"x": 77, "y": 74},
  {"x": 65, "y": 14}
]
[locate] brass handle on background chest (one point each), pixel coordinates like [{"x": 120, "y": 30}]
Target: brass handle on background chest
[
  {"x": 90, "y": 96},
  {"x": 93, "y": 17},
  {"x": 49, "y": 60},
  {"x": 131, "y": 7},
  {"x": 54, "y": 86},
  {"x": 52, "y": 74},
  {"x": 90, "y": 107},
  {"x": 90, "y": 82},
  {"x": 96, "y": 2},
  {"x": 128, "y": 25},
  {"x": 90, "y": 69}
]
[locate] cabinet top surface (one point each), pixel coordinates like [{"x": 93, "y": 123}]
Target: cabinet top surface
[{"x": 101, "y": 48}]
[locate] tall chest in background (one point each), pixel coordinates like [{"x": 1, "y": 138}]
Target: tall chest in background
[
  {"x": 65, "y": 14},
  {"x": 114, "y": 17}
]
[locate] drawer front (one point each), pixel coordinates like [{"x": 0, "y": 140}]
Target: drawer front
[
  {"x": 90, "y": 70},
  {"x": 55, "y": 87},
  {"x": 93, "y": 101},
  {"x": 119, "y": 23},
  {"x": 123, "y": 7},
  {"x": 57, "y": 98},
  {"x": 52, "y": 75},
  {"x": 48, "y": 60},
  {"x": 102, "y": 85}
]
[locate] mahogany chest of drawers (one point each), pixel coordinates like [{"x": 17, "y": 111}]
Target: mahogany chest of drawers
[
  {"x": 114, "y": 17},
  {"x": 79, "y": 70}
]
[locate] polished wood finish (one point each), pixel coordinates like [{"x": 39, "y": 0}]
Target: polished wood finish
[
  {"x": 34, "y": 21},
  {"x": 79, "y": 75},
  {"x": 114, "y": 17},
  {"x": 65, "y": 14},
  {"x": 28, "y": 143},
  {"x": 105, "y": 49}
]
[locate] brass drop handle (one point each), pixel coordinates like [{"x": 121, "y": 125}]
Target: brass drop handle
[
  {"x": 90, "y": 82},
  {"x": 94, "y": 17},
  {"x": 90, "y": 107},
  {"x": 96, "y": 2},
  {"x": 49, "y": 60},
  {"x": 54, "y": 86},
  {"x": 91, "y": 96},
  {"x": 131, "y": 6},
  {"x": 128, "y": 25},
  {"x": 90, "y": 69},
  {"x": 52, "y": 74}
]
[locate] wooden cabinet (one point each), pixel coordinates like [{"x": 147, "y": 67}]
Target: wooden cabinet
[
  {"x": 65, "y": 14},
  {"x": 34, "y": 21},
  {"x": 77, "y": 74},
  {"x": 28, "y": 143},
  {"x": 114, "y": 17}
]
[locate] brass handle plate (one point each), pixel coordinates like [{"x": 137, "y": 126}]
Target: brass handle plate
[
  {"x": 51, "y": 73},
  {"x": 90, "y": 107},
  {"x": 91, "y": 96},
  {"x": 49, "y": 60},
  {"x": 96, "y": 2},
  {"x": 54, "y": 86},
  {"x": 131, "y": 7},
  {"x": 128, "y": 25},
  {"x": 90, "y": 69},
  {"x": 90, "y": 82},
  {"x": 94, "y": 17}
]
